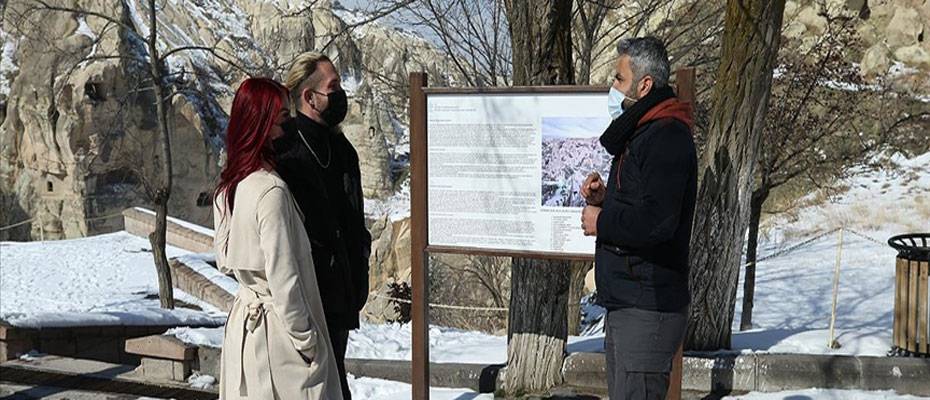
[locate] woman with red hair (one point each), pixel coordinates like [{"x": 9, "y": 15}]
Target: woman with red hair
[{"x": 276, "y": 343}]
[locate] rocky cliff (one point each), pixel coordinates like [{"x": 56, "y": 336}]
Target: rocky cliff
[{"x": 78, "y": 131}]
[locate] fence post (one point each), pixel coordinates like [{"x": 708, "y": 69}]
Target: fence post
[{"x": 832, "y": 343}]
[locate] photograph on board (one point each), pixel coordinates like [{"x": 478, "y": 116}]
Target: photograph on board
[{"x": 570, "y": 151}]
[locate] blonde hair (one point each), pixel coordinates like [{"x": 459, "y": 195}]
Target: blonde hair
[{"x": 300, "y": 76}]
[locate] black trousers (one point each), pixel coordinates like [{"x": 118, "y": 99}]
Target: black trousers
[
  {"x": 640, "y": 346},
  {"x": 340, "y": 340}
]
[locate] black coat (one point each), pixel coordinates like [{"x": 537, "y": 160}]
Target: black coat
[
  {"x": 644, "y": 228},
  {"x": 332, "y": 203}
]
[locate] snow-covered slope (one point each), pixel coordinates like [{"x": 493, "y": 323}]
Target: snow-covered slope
[
  {"x": 890, "y": 200},
  {"x": 793, "y": 296}
]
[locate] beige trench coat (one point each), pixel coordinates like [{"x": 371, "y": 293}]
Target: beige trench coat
[{"x": 276, "y": 345}]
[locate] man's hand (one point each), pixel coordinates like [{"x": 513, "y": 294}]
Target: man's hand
[
  {"x": 593, "y": 189},
  {"x": 589, "y": 220}
]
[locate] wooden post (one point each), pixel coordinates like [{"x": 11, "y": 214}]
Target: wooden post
[
  {"x": 674, "y": 385},
  {"x": 684, "y": 78},
  {"x": 418, "y": 238},
  {"x": 684, "y": 82},
  {"x": 832, "y": 343}
]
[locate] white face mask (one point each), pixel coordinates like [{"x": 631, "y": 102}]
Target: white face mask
[{"x": 615, "y": 103}]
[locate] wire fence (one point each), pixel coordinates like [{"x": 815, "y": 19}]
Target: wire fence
[{"x": 30, "y": 220}]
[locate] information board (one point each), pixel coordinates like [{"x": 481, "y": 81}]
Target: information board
[{"x": 504, "y": 169}]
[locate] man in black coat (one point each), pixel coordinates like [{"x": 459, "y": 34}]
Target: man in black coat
[
  {"x": 321, "y": 168},
  {"x": 642, "y": 218}
]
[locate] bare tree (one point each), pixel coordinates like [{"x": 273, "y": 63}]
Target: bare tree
[
  {"x": 750, "y": 44},
  {"x": 471, "y": 33},
  {"x": 157, "y": 84},
  {"x": 690, "y": 31},
  {"x": 811, "y": 127}
]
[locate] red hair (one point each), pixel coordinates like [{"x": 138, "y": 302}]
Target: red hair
[{"x": 248, "y": 136}]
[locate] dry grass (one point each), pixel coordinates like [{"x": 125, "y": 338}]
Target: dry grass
[
  {"x": 470, "y": 281},
  {"x": 923, "y": 211}
]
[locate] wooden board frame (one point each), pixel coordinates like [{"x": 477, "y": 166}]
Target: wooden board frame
[{"x": 419, "y": 212}]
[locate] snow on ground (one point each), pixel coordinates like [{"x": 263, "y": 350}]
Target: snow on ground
[
  {"x": 393, "y": 342},
  {"x": 206, "y": 337},
  {"x": 369, "y": 388},
  {"x": 794, "y": 296},
  {"x": 100, "y": 280},
  {"x": 825, "y": 394},
  {"x": 196, "y": 380}
]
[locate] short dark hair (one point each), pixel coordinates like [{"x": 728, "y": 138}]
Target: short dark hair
[{"x": 647, "y": 57}]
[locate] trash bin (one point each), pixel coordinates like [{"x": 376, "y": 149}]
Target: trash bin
[{"x": 911, "y": 334}]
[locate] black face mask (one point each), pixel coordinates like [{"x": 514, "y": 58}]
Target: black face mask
[
  {"x": 283, "y": 143},
  {"x": 337, "y": 109}
]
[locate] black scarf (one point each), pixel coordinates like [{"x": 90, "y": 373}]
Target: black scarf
[{"x": 621, "y": 130}]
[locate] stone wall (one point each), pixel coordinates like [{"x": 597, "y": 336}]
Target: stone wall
[{"x": 141, "y": 222}]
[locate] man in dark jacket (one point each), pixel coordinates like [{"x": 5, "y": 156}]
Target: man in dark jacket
[
  {"x": 321, "y": 168},
  {"x": 642, "y": 219}
]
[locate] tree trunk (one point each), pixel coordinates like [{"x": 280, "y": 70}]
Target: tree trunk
[
  {"x": 540, "y": 33},
  {"x": 750, "y": 44},
  {"x": 749, "y": 282},
  {"x": 163, "y": 187},
  {"x": 541, "y": 41},
  {"x": 537, "y": 326},
  {"x": 157, "y": 239},
  {"x": 579, "y": 269}
]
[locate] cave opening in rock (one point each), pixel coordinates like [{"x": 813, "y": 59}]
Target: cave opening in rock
[{"x": 95, "y": 91}]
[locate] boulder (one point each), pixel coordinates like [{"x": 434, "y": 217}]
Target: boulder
[{"x": 904, "y": 28}]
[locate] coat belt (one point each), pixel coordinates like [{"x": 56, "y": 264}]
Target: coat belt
[{"x": 256, "y": 311}]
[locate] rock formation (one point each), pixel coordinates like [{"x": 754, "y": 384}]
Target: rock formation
[{"x": 78, "y": 127}]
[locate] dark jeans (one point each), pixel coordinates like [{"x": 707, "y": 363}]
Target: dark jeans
[
  {"x": 640, "y": 346},
  {"x": 340, "y": 340}
]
